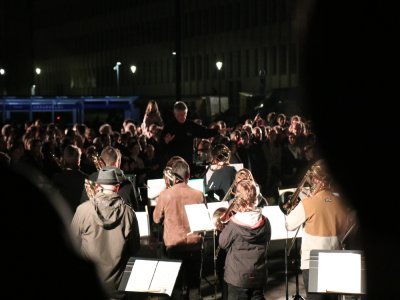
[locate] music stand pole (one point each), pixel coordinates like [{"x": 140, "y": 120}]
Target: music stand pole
[
  {"x": 296, "y": 296},
  {"x": 215, "y": 264},
  {"x": 286, "y": 270}
]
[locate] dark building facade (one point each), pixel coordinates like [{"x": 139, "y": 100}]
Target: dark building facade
[{"x": 77, "y": 45}]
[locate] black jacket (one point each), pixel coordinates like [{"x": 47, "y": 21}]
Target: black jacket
[
  {"x": 246, "y": 260},
  {"x": 182, "y": 144}
]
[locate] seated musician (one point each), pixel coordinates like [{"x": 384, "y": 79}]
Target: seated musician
[{"x": 220, "y": 176}]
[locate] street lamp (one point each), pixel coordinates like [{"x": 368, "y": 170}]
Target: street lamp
[
  {"x": 133, "y": 70},
  {"x": 3, "y": 89},
  {"x": 116, "y": 68},
  {"x": 219, "y": 67},
  {"x": 38, "y": 71}
]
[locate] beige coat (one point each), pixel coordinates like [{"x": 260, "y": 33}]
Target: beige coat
[{"x": 171, "y": 208}]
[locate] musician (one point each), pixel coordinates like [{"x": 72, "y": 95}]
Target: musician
[
  {"x": 326, "y": 220},
  {"x": 179, "y": 241},
  {"x": 246, "y": 174},
  {"x": 246, "y": 238},
  {"x": 220, "y": 175},
  {"x": 106, "y": 230},
  {"x": 111, "y": 157}
]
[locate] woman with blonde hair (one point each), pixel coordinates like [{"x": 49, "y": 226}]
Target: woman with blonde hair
[{"x": 152, "y": 115}]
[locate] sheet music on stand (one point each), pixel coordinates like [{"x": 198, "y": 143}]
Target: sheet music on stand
[
  {"x": 156, "y": 186},
  {"x": 143, "y": 222},
  {"x": 198, "y": 217},
  {"x": 278, "y": 223},
  {"x": 144, "y": 275},
  {"x": 337, "y": 271}
]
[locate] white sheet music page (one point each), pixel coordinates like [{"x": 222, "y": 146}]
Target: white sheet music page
[
  {"x": 278, "y": 223},
  {"x": 141, "y": 275},
  {"x": 143, "y": 222},
  {"x": 165, "y": 277},
  {"x": 155, "y": 187},
  {"x": 199, "y": 219},
  {"x": 197, "y": 184},
  {"x": 339, "y": 272}
]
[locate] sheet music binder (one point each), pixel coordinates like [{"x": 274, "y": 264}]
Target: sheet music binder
[
  {"x": 150, "y": 276},
  {"x": 337, "y": 271}
]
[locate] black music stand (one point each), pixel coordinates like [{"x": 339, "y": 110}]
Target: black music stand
[
  {"x": 279, "y": 232},
  {"x": 199, "y": 217},
  {"x": 296, "y": 263},
  {"x": 144, "y": 276},
  {"x": 339, "y": 272}
]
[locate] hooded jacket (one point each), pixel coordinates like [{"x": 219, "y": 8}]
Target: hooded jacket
[
  {"x": 246, "y": 238},
  {"x": 107, "y": 232}
]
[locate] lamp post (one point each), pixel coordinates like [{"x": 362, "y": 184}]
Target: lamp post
[
  {"x": 38, "y": 71},
  {"x": 116, "y": 68},
  {"x": 219, "y": 67},
  {"x": 133, "y": 70},
  {"x": 3, "y": 89}
]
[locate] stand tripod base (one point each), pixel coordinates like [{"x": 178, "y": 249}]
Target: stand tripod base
[{"x": 297, "y": 297}]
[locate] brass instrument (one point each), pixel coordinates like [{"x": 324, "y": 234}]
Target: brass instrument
[
  {"x": 222, "y": 215},
  {"x": 287, "y": 205},
  {"x": 90, "y": 188},
  {"x": 98, "y": 161},
  {"x": 169, "y": 177},
  {"x": 221, "y": 154}
]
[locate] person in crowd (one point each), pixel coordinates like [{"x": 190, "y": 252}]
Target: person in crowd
[
  {"x": 179, "y": 134},
  {"x": 71, "y": 180},
  {"x": 106, "y": 230},
  {"x": 179, "y": 241},
  {"x": 152, "y": 115},
  {"x": 112, "y": 159},
  {"x": 33, "y": 155},
  {"x": 326, "y": 217},
  {"x": 246, "y": 238}
]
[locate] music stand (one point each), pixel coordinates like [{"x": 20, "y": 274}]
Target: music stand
[
  {"x": 279, "y": 232},
  {"x": 337, "y": 272},
  {"x": 150, "y": 276},
  {"x": 156, "y": 186},
  {"x": 143, "y": 220},
  {"x": 200, "y": 220}
]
